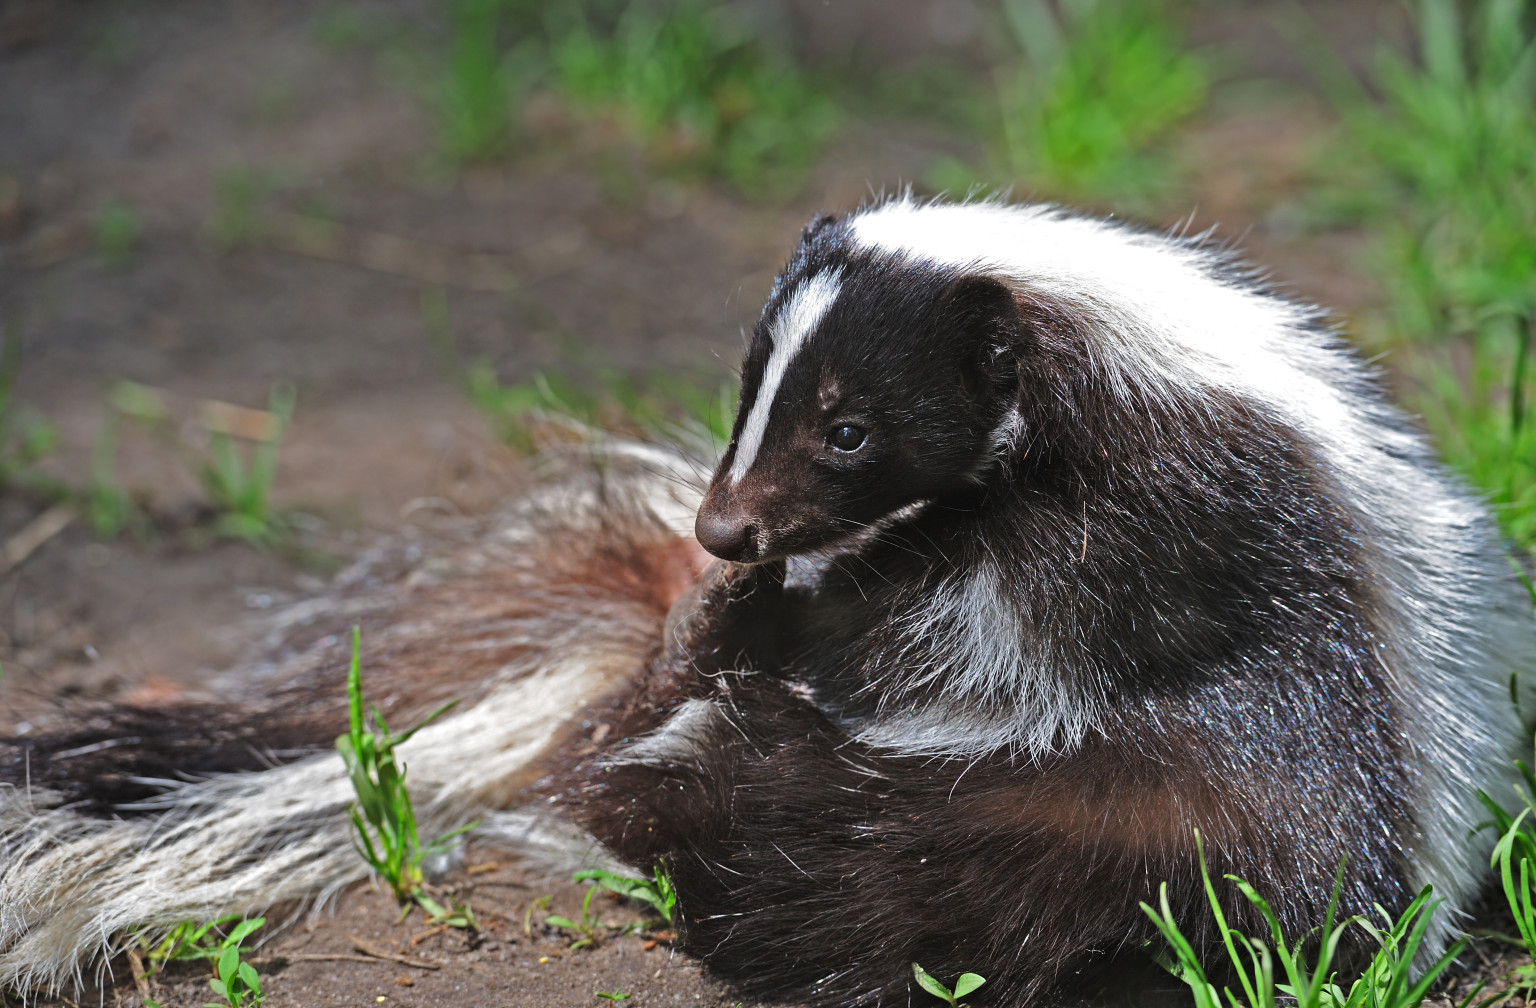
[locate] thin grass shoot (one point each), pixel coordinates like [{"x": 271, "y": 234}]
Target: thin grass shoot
[{"x": 383, "y": 818}]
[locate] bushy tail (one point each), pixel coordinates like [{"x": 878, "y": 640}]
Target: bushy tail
[{"x": 542, "y": 626}]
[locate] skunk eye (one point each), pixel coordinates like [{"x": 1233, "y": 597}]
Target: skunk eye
[{"x": 846, "y": 438}]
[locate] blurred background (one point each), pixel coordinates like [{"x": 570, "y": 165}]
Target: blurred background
[{"x": 281, "y": 278}]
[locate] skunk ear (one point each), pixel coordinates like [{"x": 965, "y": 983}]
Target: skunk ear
[
  {"x": 983, "y": 318},
  {"x": 816, "y": 225}
]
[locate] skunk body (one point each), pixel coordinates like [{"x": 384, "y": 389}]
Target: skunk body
[
  {"x": 1066, "y": 541},
  {"x": 1044, "y": 543}
]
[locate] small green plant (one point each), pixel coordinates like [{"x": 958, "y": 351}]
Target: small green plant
[
  {"x": 237, "y": 481},
  {"x": 1514, "y": 858},
  {"x": 542, "y": 903},
  {"x": 235, "y": 981},
  {"x": 184, "y": 941},
  {"x": 240, "y": 485},
  {"x": 187, "y": 941},
  {"x": 656, "y": 892},
  {"x": 452, "y": 913},
  {"x": 588, "y": 929},
  {"x": 383, "y": 818},
  {"x": 615, "y": 996},
  {"x": 117, "y": 232},
  {"x": 1097, "y": 91},
  {"x": 237, "y": 220},
  {"x": 1388, "y": 981},
  {"x": 109, "y": 508},
  {"x": 964, "y": 984}
]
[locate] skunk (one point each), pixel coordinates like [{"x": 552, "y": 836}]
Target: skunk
[
  {"x": 1043, "y": 543},
  {"x": 1052, "y": 542}
]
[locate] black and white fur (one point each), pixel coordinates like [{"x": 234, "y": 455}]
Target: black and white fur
[
  {"x": 1046, "y": 542},
  {"x": 1122, "y": 546}
]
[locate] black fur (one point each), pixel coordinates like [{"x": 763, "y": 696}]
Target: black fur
[{"x": 122, "y": 756}]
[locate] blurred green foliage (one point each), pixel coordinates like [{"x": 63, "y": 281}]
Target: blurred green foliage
[
  {"x": 1100, "y": 88},
  {"x": 1086, "y": 106},
  {"x": 1453, "y": 143},
  {"x": 117, "y": 232},
  {"x": 1450, "y": 185},
  {"x": 662, "y": 405},
  {"x": 239, "y": 483},
  {"x": 1475, "y": 396},
  {"x": 236, "y": 468},
  {"x": 479, "y": 83},
  {"x": 109, "y": 508},
  {"x": 236, "y": 220},
  {"x": 698, "y": 92}
]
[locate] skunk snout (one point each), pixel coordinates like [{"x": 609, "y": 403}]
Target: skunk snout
[{"x": 728, "y": 534}]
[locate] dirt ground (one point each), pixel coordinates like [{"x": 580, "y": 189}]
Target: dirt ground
[
  {"x": 315, "y": 964},
  {"x": 160, "y": 104}
]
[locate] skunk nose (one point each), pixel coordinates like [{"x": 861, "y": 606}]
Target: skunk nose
[{"x": 727, "y": 536}]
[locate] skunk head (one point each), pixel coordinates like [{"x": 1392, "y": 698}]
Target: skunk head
[{"x": 874, "y": 381}]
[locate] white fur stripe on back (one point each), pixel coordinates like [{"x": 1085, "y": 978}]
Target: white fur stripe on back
[{"x": 796, "y": 321}]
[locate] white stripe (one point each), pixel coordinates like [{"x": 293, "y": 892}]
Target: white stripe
[{"x": 796, "y": 321}]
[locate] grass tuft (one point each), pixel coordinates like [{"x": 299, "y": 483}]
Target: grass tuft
[
  {"x": 695, "y": 89},
  {"x": 1452, "y": 145},
  {"x": 383, "y": 818},
  {"x": 240, "y": 484},
  {"x": 1305, "y": 978},
  {"x": 1514, "y": 859},
  {"x": 108, "y": 507},
  {"x": 236, "y": 221},
  {"x": 236, "y": 480},
  {"x": 588, "y": 929},
  {"x": 656, "y": 892}
]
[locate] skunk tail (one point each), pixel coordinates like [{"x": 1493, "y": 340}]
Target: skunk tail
[{"x": 545, "y": 627}]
